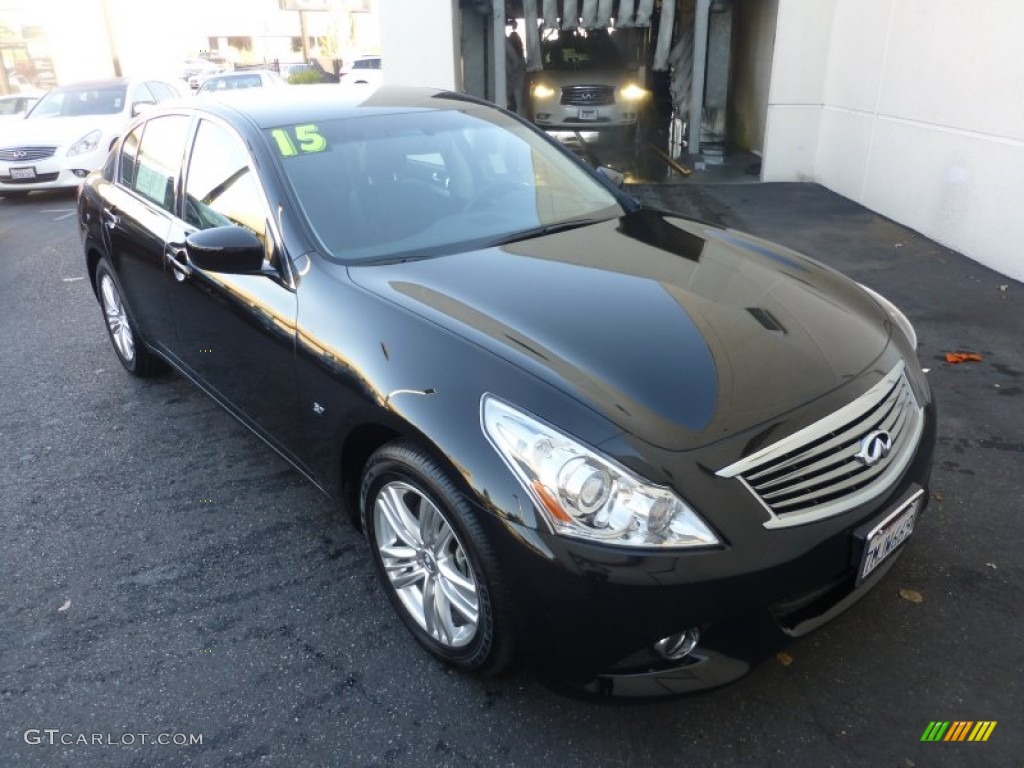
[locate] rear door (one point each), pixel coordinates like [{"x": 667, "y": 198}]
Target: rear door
[{"x": 138, "y": 209}]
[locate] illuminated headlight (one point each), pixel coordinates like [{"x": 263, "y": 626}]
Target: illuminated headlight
[
  {"x": 633, "y": 92},
  {"x": 542, "y": 91},
  {"x": 87, "y": 143},
  {"x": 893, "y": 311},
  {"x": 586, "y": 495}
]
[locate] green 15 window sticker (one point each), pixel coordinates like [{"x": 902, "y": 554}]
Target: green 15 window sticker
[{"x": 299, "y": 139}]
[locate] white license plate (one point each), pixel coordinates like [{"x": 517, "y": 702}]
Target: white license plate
[
  {"x": 588, "y": 114},
  {"x": 23, "y": 173},
  {"x": 886, "y": 537}
]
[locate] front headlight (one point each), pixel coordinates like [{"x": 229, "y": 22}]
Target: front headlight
[
  {"x": 87, "y": 143},
  {"x": 894, "y": 312},
  {"x": 586, "y": 495},
  {"x": 633, "y": 92},
  {"x": 542, "y": 91}
]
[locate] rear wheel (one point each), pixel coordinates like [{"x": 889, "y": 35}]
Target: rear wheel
[
  {"x": 132, "y": 353},
  {"x": 436, "y": 566}
]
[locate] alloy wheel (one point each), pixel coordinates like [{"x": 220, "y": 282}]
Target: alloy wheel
[
  {"x": 426, "y": 564},
  {"x": 117, "y": 319}
]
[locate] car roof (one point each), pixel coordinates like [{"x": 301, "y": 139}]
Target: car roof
[
  {"x": 94, "y": 83},
  {"x": 327, "y": 102},
  {"x": 242, "y": 73}
]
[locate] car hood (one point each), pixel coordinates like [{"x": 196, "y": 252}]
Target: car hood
[
  {"x": 677, "y": 332},
  {"x": 59, "y": 130}
]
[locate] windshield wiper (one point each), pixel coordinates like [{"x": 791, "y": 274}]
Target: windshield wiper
[{"x": 549, "y": 229}]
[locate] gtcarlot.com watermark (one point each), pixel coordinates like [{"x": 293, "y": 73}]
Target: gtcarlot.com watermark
[{"x": 55, "y": 736}]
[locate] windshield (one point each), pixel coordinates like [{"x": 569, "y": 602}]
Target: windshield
[
  {"x": 421, "y": 183},
  {"x": 574, "y": 51},
  {"x": 71, "y": 102}
]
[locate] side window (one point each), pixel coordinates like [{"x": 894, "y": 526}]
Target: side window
[
  {"x": 129, "y": 157},
  {"x": 160, "y": 91},
  {"x": 142, "y": 93},
  {"x": 159, "y": 159},
  {"x": 221, "y": 188}
]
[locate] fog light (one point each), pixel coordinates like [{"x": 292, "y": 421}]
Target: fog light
[
  {"x": 80, "y": 172},
  {"x": 678, "y": 646}
]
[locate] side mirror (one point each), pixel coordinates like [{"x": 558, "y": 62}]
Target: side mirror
[
  {"x": 233, "y": 250},
  {"x": 142, "y": 106},
  {"x": 615, "y": 177}
]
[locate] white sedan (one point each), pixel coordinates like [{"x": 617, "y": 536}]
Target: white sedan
[
  {"x": 69, "y": 132},
  {"x": 366, "y": 70},
  {"x": 15, "y": 106},
  {"x": 234, "y": 81}
]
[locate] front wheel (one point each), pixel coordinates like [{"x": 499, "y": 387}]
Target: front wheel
[{"x": 436, "y": 566}]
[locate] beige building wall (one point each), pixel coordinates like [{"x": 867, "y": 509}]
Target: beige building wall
[{"x": 913, "y": 108}]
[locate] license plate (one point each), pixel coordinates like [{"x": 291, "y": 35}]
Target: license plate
[
  {"x": 885, "y": 537},
  {"x": 588, "y": 114},
  {"x": 23, "y": 173}
]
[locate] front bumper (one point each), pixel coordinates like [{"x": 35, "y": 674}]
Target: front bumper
[
  {"x": 56, "y": 172},
  {"x": 551, "y": 115},
  {"x": 590, "y": 614}
]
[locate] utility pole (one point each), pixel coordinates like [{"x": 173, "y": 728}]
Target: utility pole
[
  {"x": 109, "y": 25},
  {"x": 305, "y": 36},
  {"x": 5, "y": 85}
]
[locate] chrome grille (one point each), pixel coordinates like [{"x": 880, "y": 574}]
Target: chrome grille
[
  {"x": 588, "y": 95},
  {"x": 26, "y": 154},
  {"x": 816, "y": 473}
]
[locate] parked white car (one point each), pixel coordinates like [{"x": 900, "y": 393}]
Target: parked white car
[
  {"x": 366, "y": 70},
  {"x": 15, "y": 106},
  {"x": 233, "y": 81},
  {"x": 69, "y": 132}
]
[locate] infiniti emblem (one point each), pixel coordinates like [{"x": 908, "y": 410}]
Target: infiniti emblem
[
  {"x": 20, "y": 153},
  {"x": 427, "y": 561},
  {"x": 874, "y": 447},
  {"x": 588, "y": 95}
]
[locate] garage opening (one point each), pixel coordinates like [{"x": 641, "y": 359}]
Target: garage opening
[{"x": 659, "y": 91}]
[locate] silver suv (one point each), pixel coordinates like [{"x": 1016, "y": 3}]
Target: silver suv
[{"x": 585, "y": 85}]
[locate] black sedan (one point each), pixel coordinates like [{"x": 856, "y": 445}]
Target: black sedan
[{"x": 637, "y": 450}]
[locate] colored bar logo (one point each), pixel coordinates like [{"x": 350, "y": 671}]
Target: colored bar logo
[{"x": 958, "y": 730}]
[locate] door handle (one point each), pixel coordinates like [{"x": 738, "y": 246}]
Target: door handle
[
  {"x": 177, "y": 258},
  {"x": 110, "y": 217}
]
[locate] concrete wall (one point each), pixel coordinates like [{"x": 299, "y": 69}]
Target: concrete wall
[
  {"x": 419, "y": 42},
  {"x": 913, "y": 108},
  {"x": 756, "y": 21}
]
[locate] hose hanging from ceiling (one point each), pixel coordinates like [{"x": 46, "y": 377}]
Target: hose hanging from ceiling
[
  {"x": 627, "y": 9},
  {"x": 570, "y": 15},
  {"x": 644, "y": 9}
]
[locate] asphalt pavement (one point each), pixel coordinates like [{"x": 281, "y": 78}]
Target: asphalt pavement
[{"x": 164, "y": 573}]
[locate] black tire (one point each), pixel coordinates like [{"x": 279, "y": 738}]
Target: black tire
[
  {"x": 124, "y": 336},
  {"x": 403, "y": 464}
]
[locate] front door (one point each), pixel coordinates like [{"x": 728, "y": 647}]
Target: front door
[{"x": 235, "y": 333}]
